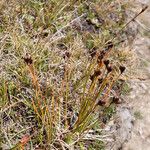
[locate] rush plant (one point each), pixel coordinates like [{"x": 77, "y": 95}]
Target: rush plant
[{"x": 63, "y": 122}]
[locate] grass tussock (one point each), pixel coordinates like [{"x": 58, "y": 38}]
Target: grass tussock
[{"x": 61, "y": 69}]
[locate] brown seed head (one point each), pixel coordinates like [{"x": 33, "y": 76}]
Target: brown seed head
[
  {"x": 122, "y": 69},
  {"x": 106, "y": 62},
  {"x": 27, "y": 59},
  {"x": 97, "y": 73},
  {"x": 109, "y": 69},
  {"x": 116, "y": 100},
  {"x": 101, "y": 103}
]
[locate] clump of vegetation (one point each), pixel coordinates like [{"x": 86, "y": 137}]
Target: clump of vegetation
[
  {"x": 138, "y": 115},
  {"x": 59, "y": 74}
]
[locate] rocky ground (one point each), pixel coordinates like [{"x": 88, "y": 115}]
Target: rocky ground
[
  {"x": 132, "y": 127},
  {"x": 139, "y": 98}
]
